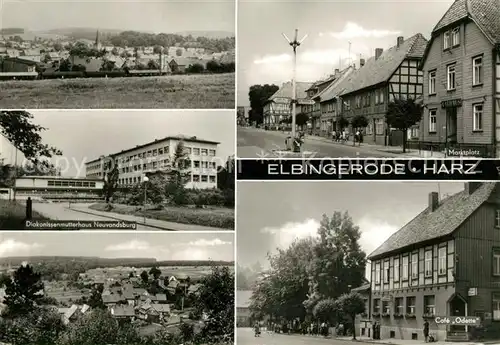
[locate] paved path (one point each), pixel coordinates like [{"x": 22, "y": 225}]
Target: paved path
[
  {"x": 63, "y": 211},
  {"x": 257, "y": 143}
]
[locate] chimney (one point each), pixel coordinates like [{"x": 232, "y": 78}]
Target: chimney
[
  {"x": 361, "y": 62},
  {"x": 471, "y": 187},
  {"x": 400, "y": 40},
  {"x": 378, "y": 52},
  {"x": 337, "y": 71},
  {"x": 433, "y": 201}
]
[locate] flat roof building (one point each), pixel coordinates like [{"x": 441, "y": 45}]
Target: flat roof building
[
  {"x": 58, "y": 188},
  {"x": 157, "y": 155}
]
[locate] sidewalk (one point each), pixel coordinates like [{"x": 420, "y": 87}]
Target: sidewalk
[
  {"x": 155, "y": 223},
  {"x": 404, "y": 342}
]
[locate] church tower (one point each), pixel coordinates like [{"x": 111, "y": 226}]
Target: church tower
[{"x": 97, "y": 44}]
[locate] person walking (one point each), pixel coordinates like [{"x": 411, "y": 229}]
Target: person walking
[{"x": 426, "y": 331}]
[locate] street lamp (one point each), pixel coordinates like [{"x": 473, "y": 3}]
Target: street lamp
[
  {"x": 145, "y": 179},
  {"x": 294, "y": 44}
]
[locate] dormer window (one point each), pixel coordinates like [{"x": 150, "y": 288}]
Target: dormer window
[
  {"x": 446, "y": 40},
  {"x": 455, "y": 37}
]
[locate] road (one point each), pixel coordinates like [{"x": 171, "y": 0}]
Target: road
[
  {"x": 245, "y": 336},
  {"x": 256, "y": 143},
  {"x": 60, "y": 211}
]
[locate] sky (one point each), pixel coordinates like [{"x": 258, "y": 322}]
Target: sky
[
  {"x": 86, "y": 135},
  {"x": 167, "y": 16},
  {"x": 293, "y": 210},
  {"x": 159, "y": 245},
  {"x": 264, "y": 56}
]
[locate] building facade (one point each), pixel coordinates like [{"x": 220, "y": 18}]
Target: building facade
[
  {"x": 461, "y": 69},
  {"x": 445, "y": 262},
  {"x": 17, "y": 64},
  {"x": 58, "y": 188},
  {"x": 135, "y": 163},
  {"x": 391, "y": 74}
]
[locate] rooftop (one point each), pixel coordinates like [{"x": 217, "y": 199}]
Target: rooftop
[{"x": 285, "y": 91}]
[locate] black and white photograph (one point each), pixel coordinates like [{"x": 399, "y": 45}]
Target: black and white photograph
[
  {"x": 135, "y": 170},
  {"x": 85, "y": 54},
  {"x": 377, "y": 262},
  {"x": 116, "y": 288},
  {"x": 368, "y": 79}
]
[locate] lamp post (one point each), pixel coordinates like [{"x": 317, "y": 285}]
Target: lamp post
[
  {"x": 145, "y": 180},
  {"x": 294, "y": 44}
]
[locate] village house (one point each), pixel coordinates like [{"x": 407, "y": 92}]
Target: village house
[
  {"x": 444, "y": 262},
  {"x": 73, "y": 313},
  {"x": 180, "y": 64},
  {"x": 390, "y": 75},
  {"x": 362, "y": 322},
  {"x": 461, "y": 67},
  {"x": 278, "y": 107},
  {"x": 123, "y": 312},
  {"x": 17, "y": 64},
  {"x": 31, "y": 54}
]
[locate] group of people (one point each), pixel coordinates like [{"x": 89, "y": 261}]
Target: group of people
[{"x": 343, "y": 136}]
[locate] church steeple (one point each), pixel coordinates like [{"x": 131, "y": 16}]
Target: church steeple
[{"x": 97, "y": 44}]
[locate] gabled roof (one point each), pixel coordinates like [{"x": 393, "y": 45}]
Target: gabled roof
[
  {"x": 443, "y": 221},
  {"x": 334, "y": 89},
  {"x": 285, "y": 91},
  {"x": 162, "y": 308},
  {"x": 243, "y": 298},
  {"x": 456, "y": 12},
  {"x": 123, "y": 310},
  {"x": 112, "y": 298},
  {"x": 377, "y": 71}
]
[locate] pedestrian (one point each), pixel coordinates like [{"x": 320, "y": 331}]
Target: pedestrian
[
  {"x": 357, "y": 136},
  {"x": 344, "y": 136},
  {"x": 426, "y": 331}
]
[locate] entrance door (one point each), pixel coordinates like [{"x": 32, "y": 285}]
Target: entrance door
[
  {"x": 457, "y": 308},
  {"x": 451, "y": 125}
]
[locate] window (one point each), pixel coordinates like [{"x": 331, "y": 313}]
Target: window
[
  {"x": 429, "y": 305},
  {"x": 347, "y": 104},
  {"x": 381, "y": 96},
  {"x": 442, "y": 260},
  {"x": 450, "y": 85},
  {"x": 432, "y": 120},
  {"x": 386, "y": 308},
  {"x": 410, "y": 305},
  {"x": 196, "y": 178},
  {"x": 496, "y": 263},
  {"x": 477, "y": 70},
  {"x": 414, "y": 266},
  {"x": 212, "y": 179},
  {"x": 398, "y": 306},
  {"x": 477, "y": 117},
  {"x": 376, "y": 97},
  {"x": 446, "y": 40},
  {"x": 376, "y": 306},
  {"x": 497, "y": 218},
  {"x": 204, "y": 178},
  {"x": 396, "y": 270},
  {"x": 196, "y": 151},
  {"x": 496, "y": 307},
  {"x": 358, "y": 101},
  {"x": 432, "y": 82},
  {"x": 379, "y": 126},
  {"x": 204, "y": 152},
  {"x": 455, "y": 37},
  {"x": 428, "y": 263},
  {"x": 211, "y": 152},
  {"x": 377, "y": 273},
  {"x": 405, "y": 268},
  {"x": 196, "y": 164},
  {"x": 386, "y": 272}
]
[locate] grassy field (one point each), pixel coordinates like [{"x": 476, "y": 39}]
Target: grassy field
[
  {"x": 203, "y": 91},
  {"x": 211, "y": 217},
  {"x": 13, "y": 215}
]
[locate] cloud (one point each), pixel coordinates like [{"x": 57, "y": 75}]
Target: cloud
[
  {"x": 11, "y": 246},
  {"x": 374, "y": 232},
  {"x": 289, "y": 232},
  {"x": 191, "y": 254},
  {"x": 131, "y": 245},
  {"x": 328, "y": 57},
  {"x": 208, "y": 243},
  {"x": 272, "y": 59},
  {"x": 353, "y": 30}
]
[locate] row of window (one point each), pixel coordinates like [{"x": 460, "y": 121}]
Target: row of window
[
  {"x": 194, "y": 178},
  {"x": 379, "y": 126},
  {"x": 451, "y": 78},
  {"x": 451, "y": 38},
  {"x": 401, "y": 308},
  {"x": 477, "y": 118},
  {"x": 55, "y": 183},
  {"x": 165, "y": 163}
]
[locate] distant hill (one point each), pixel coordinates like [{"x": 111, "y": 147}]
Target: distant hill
[
  {"x": 81, "y": 33},
  {"x": 207, "y": 34}
]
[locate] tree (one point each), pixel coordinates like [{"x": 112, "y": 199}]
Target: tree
[
  {"x": 301, "y": 119},
  {"x": 403, "y": 114},
  {"x": 155, "y": 272},
  {"x": 95, "y": 300},
  {"x": 342, "y": 123},
  {"x": 23, "y": 292},
  {"x": 145, "y": 277},
  {"x": 195, "y": 68},
  {"x": 153, "y": 64},
  {"x": 18, "y": 128},
  {"x": 352, "y": 304},
  {"x": 178, "y": 52},
  {"x": 111, "y": 178},
  {"x": 178, "y": 175},
  {"x": 57, "y": 47},
  {"x": 157, "y": 49},
  {"x": 258, "y": 96},
  {"x": 327, "y": 310},
  {"x": 359, "y": 122},
  {"x": 216, "y": 300},
  {"x": 338, "y": 261}
]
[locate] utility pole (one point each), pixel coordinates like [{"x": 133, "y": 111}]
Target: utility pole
[
  {"x": 294, "y": 44},
  {"x": 350, "y": 60}
]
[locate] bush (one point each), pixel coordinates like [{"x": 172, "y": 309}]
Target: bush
[
  {"x": 187, "y": 331},
  {"x": 195, "y": 68},
  {"x": 206, "y": 197}
]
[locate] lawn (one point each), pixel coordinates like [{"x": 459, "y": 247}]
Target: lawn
[
  {"x": 202, "y": 91},
  {"x": 216, "y": 217},
  {"x": 13, "y": 215}
]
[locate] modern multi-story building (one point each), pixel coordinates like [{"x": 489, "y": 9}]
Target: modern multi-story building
[
  {"x": 461, "y": 67},
  {"x": 278, "y": 107},
  {"x": 136, "y": 162},
  {"x": 390, "y": 75},
  {"x": 444, "y": 262}
]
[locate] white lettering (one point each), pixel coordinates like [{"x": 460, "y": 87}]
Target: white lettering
[{"x": 272, "y": 169}]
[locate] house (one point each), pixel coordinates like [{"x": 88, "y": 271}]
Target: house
[
  {"x": 362, "y": 322},
  {"x": 13, "y": 52},
  {"x": 179, "y": 64},
  {"x": 243, "y": 314},
  {"x": 322, "y": 114},
  {"x": 389, "y": 75},
  {"x": 72, "y": 314},
  {"x": 123, "y": 311},
  {"x": 172, "y": 286},
  {"x": 31, "y": 54},
  {"x": 278, "y": 107},
  {"x": 444, "y": 262},
  {"x": 91, "y": 64},
  {"x": 112, "y": 299},
  {"x": 461, "y": 68},
  {"x": 161, "y": 298},
  {"x": 17, "y": 64}
]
